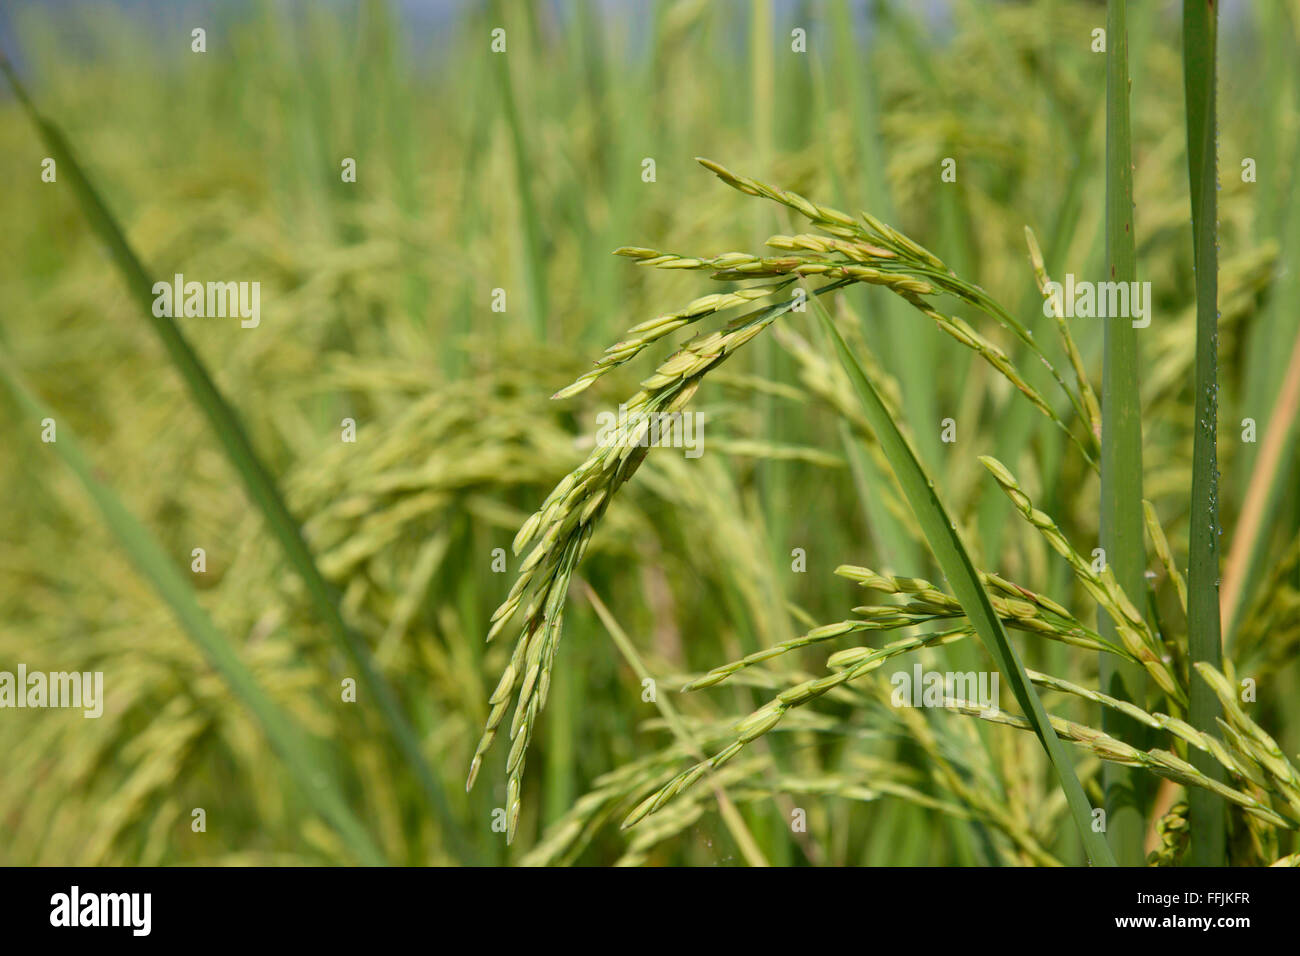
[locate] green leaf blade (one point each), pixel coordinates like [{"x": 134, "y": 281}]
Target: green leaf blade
[{"x": 956, "y": 565}]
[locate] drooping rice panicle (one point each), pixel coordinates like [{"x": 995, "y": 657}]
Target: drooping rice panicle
[
  {"x": 1088, "y": 396},
  {"x": 878, "y": 255},
  {"x": 864, "y": 251},
  {"x": 817, "y": 635},
  {"x": 1160, "y": 762},
  {"x": 1040, "y": 615},
  {"x": 922, "y": 262},
  {"x": 1236, "y": 765},
  {"x": 1161, "y": 545},
  {"x": 562, "y": 528},
  {"x": 1172, "y": 830},
  {"x": 1129, "y": 623},
  {"x": 1017, "y": 607},
  {"x": 641, "y": 336},
  {"x": 1252, "y": 737},
  {"x": 765, "y": 718}
]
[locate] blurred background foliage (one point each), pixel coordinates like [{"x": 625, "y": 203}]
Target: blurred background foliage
[{"x": 523, "y": 171}]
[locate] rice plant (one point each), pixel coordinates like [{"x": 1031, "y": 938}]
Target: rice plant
[
  {"x": 921, "y": 456},
  {"x": 869, "y": 251}
]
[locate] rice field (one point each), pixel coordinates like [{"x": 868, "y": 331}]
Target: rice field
[{"x": 741, "y": 433}]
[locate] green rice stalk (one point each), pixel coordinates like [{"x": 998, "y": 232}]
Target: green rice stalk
[
  {"x": 534, "y": 258},
  {"x": 1121, "y": 438},
  {"x": 1200, "y": 28}
]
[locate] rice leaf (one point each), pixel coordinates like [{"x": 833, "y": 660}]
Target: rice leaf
[
  {"x": 1122, "y": 523},
  {"x": 966, "y": 586},
  {"x": 1200, "y": 27}
]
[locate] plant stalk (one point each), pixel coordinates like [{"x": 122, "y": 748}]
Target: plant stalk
[
  {"x": 1200, "y": 27},
  {"x": 1121, "y": 443}
]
